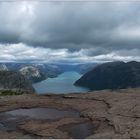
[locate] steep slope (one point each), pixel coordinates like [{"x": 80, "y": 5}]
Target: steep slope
[
  {"x": 80, "y": 68},
  {"x": 32, "y": 73},
  {"x": 3, "y": 67},
  {"x": 84, "y": 68},
  {"x": 113, "y": 75},
  {"x": 50, "y": 70},
  {"x": 40, "y": 70},
  {"x": 10, "y": 80}
]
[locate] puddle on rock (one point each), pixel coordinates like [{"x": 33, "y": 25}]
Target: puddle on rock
[
  {"x": 78, "y": 130},
  {"x": 42, "y": 113},
  {"x": 1, "y": 126},
  {"x": 9, "y": 120}
]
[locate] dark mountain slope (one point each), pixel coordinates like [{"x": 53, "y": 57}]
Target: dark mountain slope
[
  {"x": 10, "y": 80},
  {"x": 112, "y": 75}
]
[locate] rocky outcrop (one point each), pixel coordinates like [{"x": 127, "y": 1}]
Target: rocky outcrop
[
  {"x": 113, "y": 75},
  {"x": 33, "y": 73},
  {"x": 14, "y": 81},
  {"x": 3, "y": 67},
  {"x": 113, "y": 114}
]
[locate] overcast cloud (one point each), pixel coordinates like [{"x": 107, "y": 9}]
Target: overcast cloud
[{"x": 69, "y": 32}]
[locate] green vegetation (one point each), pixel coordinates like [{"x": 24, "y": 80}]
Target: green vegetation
[{"x": 9, "y": 93}]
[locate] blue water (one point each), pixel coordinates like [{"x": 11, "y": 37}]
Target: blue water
[{"x": 61, "y": 84}]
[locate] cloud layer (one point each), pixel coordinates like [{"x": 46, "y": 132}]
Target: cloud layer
[
  {"x": 21, "y": 52},
  {"x": 69, "y": 31}
]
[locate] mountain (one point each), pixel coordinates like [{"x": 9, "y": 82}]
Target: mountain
[
  {"x": 112, "y": 75},
  {"x": 49, "y": 70},
  {"x": 33, "y": 73},
  {"x": 39, "y": 72},
  {"x": 80, "y": 68},
  {"x": 10, "y": 80},
  {"x": 84, "y": 68},
  {"x": 3, "y": 67}
]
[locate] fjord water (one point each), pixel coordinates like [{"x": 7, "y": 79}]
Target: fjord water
[{"x": 61, "y": 84}]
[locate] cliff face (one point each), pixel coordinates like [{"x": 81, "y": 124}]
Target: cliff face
[
  {"x": 10, "y": 80},
  {"x": 113, "y": 75},
  {"x": 33, "y": 73},
  {"x": 3, "y": 67},
  {"x": 51, "y": 70}
]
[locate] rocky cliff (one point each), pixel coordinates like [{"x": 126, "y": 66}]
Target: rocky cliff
[
  {"x": 14, "y": 81},
  {"x": 35, "y": 72},
  {"x": 113, "y": 115},
  {"x": 32, "y": 73},
  {"x": 3, "y": 67}
]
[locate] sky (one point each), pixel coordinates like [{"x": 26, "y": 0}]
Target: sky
[{"x": 69, "y": 31}]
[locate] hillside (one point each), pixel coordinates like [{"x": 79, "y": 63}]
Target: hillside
[
  {"x": 33, "y": 73},
  {"x": 14, "y": 81},
  {"x": 112, "y": 75}
]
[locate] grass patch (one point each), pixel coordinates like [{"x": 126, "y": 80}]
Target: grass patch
[{"x": 9, "y": 93}]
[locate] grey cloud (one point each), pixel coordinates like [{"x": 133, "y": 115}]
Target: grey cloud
[
  {"x": 98, "y": 28},
  {"x": 23, "y": 53}
]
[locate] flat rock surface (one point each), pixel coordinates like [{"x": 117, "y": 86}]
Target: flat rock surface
[{"x": 114, "y": 114}]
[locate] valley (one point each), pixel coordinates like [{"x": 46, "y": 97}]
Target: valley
[
  {"x": 56, "y": 108},
  {"x": 69, "y": 69},
  {"x": 64, "y": 83}
]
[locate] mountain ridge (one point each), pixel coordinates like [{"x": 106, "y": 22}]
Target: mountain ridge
[
  {"x": 112, "y": 75},
  {"x": 14, "y": 81}
]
